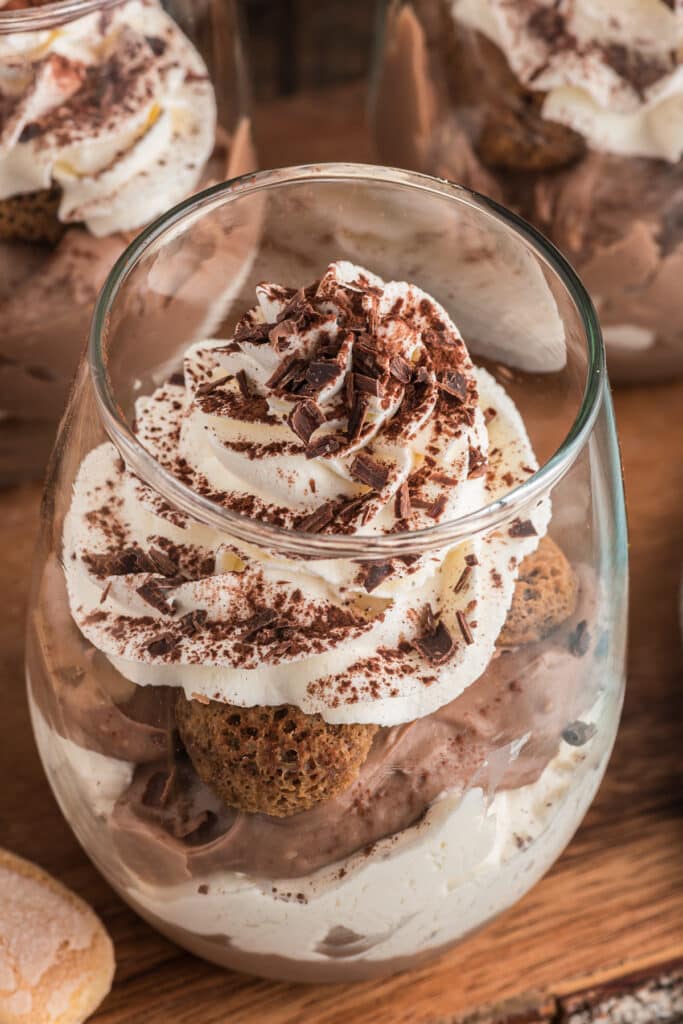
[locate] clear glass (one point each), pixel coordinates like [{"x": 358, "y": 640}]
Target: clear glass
[
  {"x": 448, "y": 102},
  {"x": 338, "y": 774},
  {"x": 107, "y": 119}
]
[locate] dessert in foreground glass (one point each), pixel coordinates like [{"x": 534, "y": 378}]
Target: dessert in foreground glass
[
  {"x": 326, "y": 642},
  {"x": 571, "y": 113},
  {"x": 110, "y": 112}
]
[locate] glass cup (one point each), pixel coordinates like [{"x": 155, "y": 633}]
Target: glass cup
[
  {"x": 326, "y": 641},
  {"x": 109, "y": 114},
  {"x": 574, "y": 122}
]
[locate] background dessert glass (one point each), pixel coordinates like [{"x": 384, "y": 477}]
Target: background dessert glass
[
  {"x": 107, "y": 118},
  {"x": 570, "y": 114},
  {"x": 467, "y": 769}
]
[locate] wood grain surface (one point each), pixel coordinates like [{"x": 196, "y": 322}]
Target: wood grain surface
[{"x": 611, "y": 909}]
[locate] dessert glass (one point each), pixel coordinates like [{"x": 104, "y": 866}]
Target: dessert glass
[
  {"x": 571, "y": 115},
  {"x": 107, "y": 118},
  {"x": 298, "y": 738}
]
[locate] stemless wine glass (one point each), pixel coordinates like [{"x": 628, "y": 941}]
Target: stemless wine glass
[
  {"x": 111, "y": 111},
  {"x": 298, "y": 737},
  {"x": 570, "y": 115}
]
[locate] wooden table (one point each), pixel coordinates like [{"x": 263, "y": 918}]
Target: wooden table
[{"x": 612, "y": 908}]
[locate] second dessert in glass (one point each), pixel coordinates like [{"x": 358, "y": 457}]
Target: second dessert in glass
[
  {"x": 110, "y": 112},
  {"x": 324, "y": 666},
  {"x": 570, "y": 112}
]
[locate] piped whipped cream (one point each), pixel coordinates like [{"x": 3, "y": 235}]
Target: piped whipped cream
[
  {"x": 349, "y": 407},
  {"x": 116, "y": 108},
  {"x": 611, "y": 69}
]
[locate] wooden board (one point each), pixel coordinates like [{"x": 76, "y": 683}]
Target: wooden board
[{"x": 613, "y": 905}]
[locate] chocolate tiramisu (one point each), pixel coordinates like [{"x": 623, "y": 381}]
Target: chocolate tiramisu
[
  {"x": 570, "y": 112},
  {"x": 321, "y": 767},
  {"x": 106, "y": 120}
]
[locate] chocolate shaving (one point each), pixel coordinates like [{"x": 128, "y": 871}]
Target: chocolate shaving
[
  {"x": 403, "y": 508},
  {"x": 349, "y": 510},
  {"x": 438, "y": 507},
  {"x": 319, "y": 519},
  {"x": 400, "y": 369},
  {"x": 579, "y": 640},
  {"x": 471, "y": 560},
  {"x": 319, "y": 373},
  {"x": 357, "y": 416},
  {"x": 305, "y": 418},
  {"x": 127, "y": 561},
  {"x": 211, "y": 385},
  {"x": 105, "y": 593},
  {"x": 243, "y": 383},
  {"x": 368, "y": 471},
  {"x": 477, "y": 463},
  {"x": 430, "y": 621},
  {"x": 289, "y": 368},
  {"x": 193, "y": 621},
  {"x": 280, "y": 334},
  {"x": 522, "y": 528},
  {"x": 454, "y": 384},
  {"x": 162, "y": 563},
  {"x": 368, "y": 385},
  {"x": 436, "y": 647},
  {"x": 464, "y": 627},
  {"x": 155, "y": 594},
  {"x": 261, "y": 620},
  {"x": 329, "y": 444},
  {"x": 251, "y": 333},
  {"x": 462, "y": 580},
  {"x": 377, "y": 574},
  {"x": 162, "y": 645}
]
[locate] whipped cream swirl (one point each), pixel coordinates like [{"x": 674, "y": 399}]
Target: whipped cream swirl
[
  {"x": 351, "y": 406},
  {"x": 115, "y": 108},
  {"x": 611, "y": 69}
]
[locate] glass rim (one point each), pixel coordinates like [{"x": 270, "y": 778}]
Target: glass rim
[
  {"x": 328, "y": 545},
  {"x": 33, "y": 19}
]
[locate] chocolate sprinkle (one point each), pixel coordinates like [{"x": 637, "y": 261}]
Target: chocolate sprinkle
[
  {"x": 305, "y": 418},
  {"x": 368, "y": 471},
  {"x": 438, "y": 507},
  {"x": 522, "y": 528}
]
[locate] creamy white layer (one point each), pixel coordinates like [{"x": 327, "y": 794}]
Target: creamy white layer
[
  {"x": 342, "y": 670},
  {"x": 115, "y": 107},
  {"x": 424, "y": 888},
  {"x": 585, "y": 91}
]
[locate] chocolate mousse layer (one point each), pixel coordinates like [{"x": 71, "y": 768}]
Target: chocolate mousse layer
[{"x": 169, "y": 826}]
